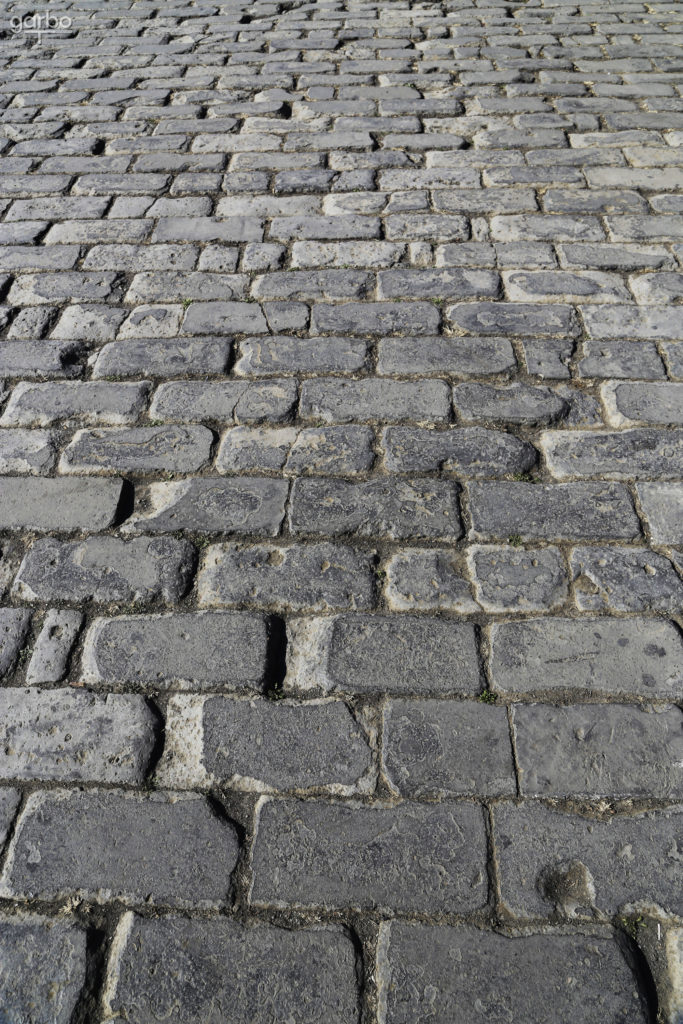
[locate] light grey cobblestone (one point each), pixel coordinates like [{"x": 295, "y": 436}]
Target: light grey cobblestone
[{"x": 44, "y": 968}]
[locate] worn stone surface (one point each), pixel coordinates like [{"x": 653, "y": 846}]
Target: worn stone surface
[
  {"x": 63, "y": 843},
  {"x": 177, "y": 649},
  {"x": 53, "y": 646},
  {"x": 42, "y": 968},
  {"x": 552, "y": 860},
  {"x": 283, "y": 746},
  {"x": 340, "y": 462},
  {"x": 58, "y": 504},
  {"x": 519, "y": 978},
  {"x": 106, "y": 569},
  {"x": 438, "y": 748},
  {"x": 222, "y": 967},
  {"x": 591, "y": 750},
  {"x": 310, "y": 577},
  {"x": 600, "y": 655},
  {"x": 404, "y": 858},
  {"x": 72, "y": 736}
]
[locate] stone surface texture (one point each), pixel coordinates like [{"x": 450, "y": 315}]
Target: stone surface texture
[{"x": 341, "y": 512}]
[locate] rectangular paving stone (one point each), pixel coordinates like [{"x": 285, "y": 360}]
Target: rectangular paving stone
[
  {"x": 138, "y": 450},
  {"x": 452, "y": 356},
  {"x": 383, "y": 654},
  {"x": 59, "y": 503},
  {"x": 552, "y": 511},
  {"x": 625, "y": 580},
  {"x": 44, "y": 967},
  {"x": 654, "y": 323},
  {"x": 162, "y": 357},
  {"x": 662, "y": 505},
  {"x": 237, "y": 505},
  {"x": 412, "y": 857},
  {"x": 384, "y": 507},
  {"x": 580, "y": 977},
  {"x": 312, "y": 450},
  {"x": 51, "y": 650},
  {"x": 599, "y": 751},
  {"x": 194, "y": 650},
  {"x": 285, "y": 354},
  {"x": 632, "y": 402},
  {"x": 34, "y": 289},
  {"x": 264, "y": 745},
  {"x": 224, "y": 318},
  {"x": 509, "y": 578},
  {"x": 236, "y": 401},
  {"x": 304, "y": 577},
  {"x": 241, "y": 972},
  {"x": 73, "y": 736},
  {"x": 436, "y": 748},
  {"x": 88, "y": 401},
  {"x": 614, "y": 455},
  {"x": 469, "y": 451},
  {"x": 105, "y": 569},
  {"x": 636, "y": 656},
  {"x": 341, "y": 401},
  {"x": 375, "y": 318},
  {"x": 443, "y": 283},
  {"x": 131, "y": 847},
  {"x": 26, "y": 451},
  {"x": 554, "y": 860},
  {"x": 512, "y": 318}
]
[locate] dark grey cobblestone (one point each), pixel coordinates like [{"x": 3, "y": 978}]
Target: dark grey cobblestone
[{"x": 341, "y": 515}]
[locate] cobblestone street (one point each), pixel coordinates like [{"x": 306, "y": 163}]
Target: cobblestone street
[{"x": 341, "y": 512}]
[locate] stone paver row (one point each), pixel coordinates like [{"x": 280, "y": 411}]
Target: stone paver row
[{"x": 341, "y": 512}]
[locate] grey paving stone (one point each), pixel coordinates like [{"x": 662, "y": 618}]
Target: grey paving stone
[
  {"x": 26, "y": 451},
  {"x": 88, "y": 322},
  {"x": 620, "y": 455},
  {"x": 520, "y": 977},
  {"x": 518, "y": 579},
  {"x": 238, "y": 505},
  {"x": 456, "y": 356},
  {"x": 662, "y": 505},
  {"x": 435, "y": 748},
  {"x": 598, "y": 750},
  {"x": 384, "y": 653},
  {"x": 282, "y": 354},
  {"x": 305, "y": 577},
  {"x": 14, "y": 624},
  {"x": 549, "y": 859},
  {"x": 649, "y": 323},
  {"x": 626, "y": 359},
  {"x": 58, "y": 503},
  {"x": 375, "y": 318},
  {"x": 138, "y": 450},
  {"x": 224, "y": 318},
  {"x": 43, "y": 968},
  {"x": 224, "y": 967},
  {"x": 590, "y": 511},
  {"x": 516, "y": 403},
  {"x": 631, "y": 402},
  {"x": 340, "y": 401},
  {"x": 411, "y": 857},
  {"x": 51, "y": 651},
  {"x": 420, "y": 579},
  {"x": 625, "y": 580},
  {"x": 511, "y": 318},
  {"x": 468, "y": 451},
  {"x": 343, "y": 449},
  {"x": 177, "y": 650},
  {"x": 73, "y": 736},
  {"x": 283, "y": 746},
  {"x": 444, "y": 283},
  {"x": 64, "y": 843},
  {"x": 639, "y": 657},
  {"x": 34, "y": 289},
  {"x": 89, "y": 402},
  {"x": 106, "y": 569},
  {"x": 236, "y": 401},
  {"x": 137, "y": 357},
  {"x": 383, "y": 507}
]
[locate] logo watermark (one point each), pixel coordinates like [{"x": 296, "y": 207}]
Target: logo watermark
[{"x": 39, "y": 25}]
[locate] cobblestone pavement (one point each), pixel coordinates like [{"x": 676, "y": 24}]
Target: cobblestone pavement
[{"x": 342, "y": 518}]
